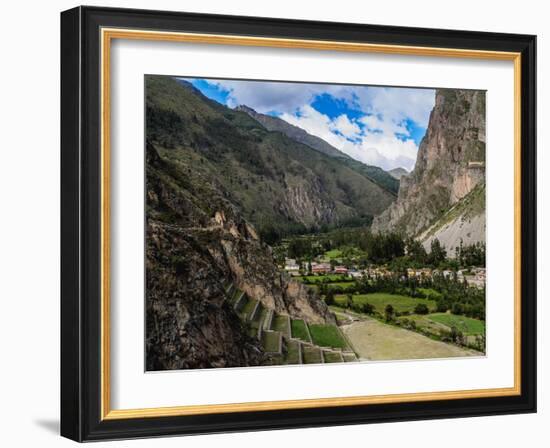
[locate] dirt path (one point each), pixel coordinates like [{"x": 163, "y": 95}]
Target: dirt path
[{"x": 374, "y": 340}]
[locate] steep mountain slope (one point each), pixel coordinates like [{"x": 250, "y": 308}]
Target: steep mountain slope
[
  {"x": 449, "y": 165},
  {"x": 196, "y": 245},
  {"x": 398, "y": 172},
  {"x": 373, "y": 173},
  {"x": 293, "y": 132},
  {"x": 279, "y": 185},
  {"x": 463, "y": 223}
]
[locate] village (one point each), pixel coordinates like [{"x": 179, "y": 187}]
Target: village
[{"x": 475, "y": 276}]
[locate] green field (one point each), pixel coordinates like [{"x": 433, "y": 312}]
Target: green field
[
  {"x": 333, "y": 254},
  {"x": 430, "y": 293},
  {"x": 327, "y": 336},
  {"x": 467, "y": 325},
  {"x": 342, "y": 285},
  {"x": 380, "y": 299},
  {"x": 325, "y": 278},
  {"x": 422, "y": 323},
  {"x": 299, "y": 330}
]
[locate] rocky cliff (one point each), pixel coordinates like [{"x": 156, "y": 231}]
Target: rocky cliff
[
  {"x": 196, "y": 245},
  {"x": 450, "y": 165}
]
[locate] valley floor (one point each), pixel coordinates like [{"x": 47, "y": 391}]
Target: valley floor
[{"x": 374, "y": 340}]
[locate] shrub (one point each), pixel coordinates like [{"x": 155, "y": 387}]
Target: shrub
[
  {"x": 389, "y": 312},
  {"x": 421, "y": 308},
  {"x": 368, "y": 309}
]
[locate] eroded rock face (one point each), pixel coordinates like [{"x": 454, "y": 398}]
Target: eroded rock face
[
  {"x": 306, "y": 203},
  {"x": 196, "y": 245},
  {"x": 189, "y": 322},
  {"x": 449, "y": 164}
]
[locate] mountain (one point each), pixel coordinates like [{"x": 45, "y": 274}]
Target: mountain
[
  {"x": 444, "y": 195},
  {"x": 197, "y": 243},
  {"x": 278, "y": 185},
  {"x": 397, "y": 173},
  {"x": 275, "y": 124},
  {"x": 293, "y": 132},
  {"x": 218, "y": 186}
]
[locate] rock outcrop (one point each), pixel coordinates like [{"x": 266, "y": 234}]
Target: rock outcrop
[
  {"x": 196, "y": 245},
  {"x": 449, "y": 165}
]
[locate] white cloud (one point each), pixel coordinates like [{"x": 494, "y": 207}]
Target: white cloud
[
  {"x": 397, "y": 104},
  {"x": 376, "y": 124},
  {"x": 346, "y": 127},
  {"x": 382, "y": 149},
  {"x": 374, "y": 142},
  {"x": 316, "y": 124},
  {"x": 371, "y": 138},
  {"x": 275, "y": 96}
]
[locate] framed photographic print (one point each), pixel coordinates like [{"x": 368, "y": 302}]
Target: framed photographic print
[{"x": 275, "y": 224}]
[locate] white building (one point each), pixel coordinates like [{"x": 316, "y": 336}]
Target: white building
[{"x": 291, "y": 266}]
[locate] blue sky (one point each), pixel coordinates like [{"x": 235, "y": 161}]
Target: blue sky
[{"x": 381, "y": 126}]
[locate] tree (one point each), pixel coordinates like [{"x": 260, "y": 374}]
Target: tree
[
  {"x": 367, "y": 308},
  {"x": 421, "y": 308},
  {"x": 329, "y": 298},
  {"x": 389, "y": 312},
  {"x": 416, "y": 252},
  {"x": 457, "y": 308},
  {"x": 349, "y": 300},
  {"x": 438, "y": 254}
]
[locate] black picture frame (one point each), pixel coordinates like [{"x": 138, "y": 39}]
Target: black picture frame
[{"x": 81, "y": 224}]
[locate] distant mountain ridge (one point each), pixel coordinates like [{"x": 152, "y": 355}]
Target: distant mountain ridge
[
  {"x": 293, "y": 132},
  {"x": 398, "y": 173}
]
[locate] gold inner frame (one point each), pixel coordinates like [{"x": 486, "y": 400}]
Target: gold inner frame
[{"x": 107, "y": 35}]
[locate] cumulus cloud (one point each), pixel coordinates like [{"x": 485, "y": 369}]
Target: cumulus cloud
[
  {"x": 275, "y": 96},
  {"x": 373, "y": 146}
]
